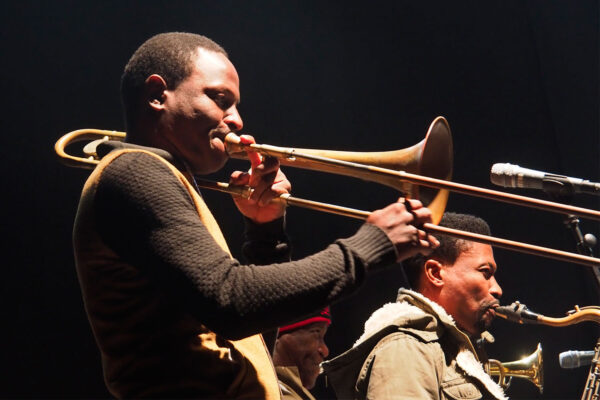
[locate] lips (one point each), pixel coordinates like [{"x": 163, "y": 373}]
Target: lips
[
  {"x": 492, "y": 310},
  {"x": 215, "y": 134},
  {"x": 217, "y": 140}
]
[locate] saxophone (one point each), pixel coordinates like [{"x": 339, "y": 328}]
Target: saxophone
[
  {"x": 519, "y": 313},
  {"x": 591, "y": 391}
]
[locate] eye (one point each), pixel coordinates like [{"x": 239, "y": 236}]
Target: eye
[
  {"x": 221, "y": 99},
  {"x": 487, "y": 272}
]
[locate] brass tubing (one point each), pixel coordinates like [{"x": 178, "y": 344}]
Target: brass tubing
[
  {"x": 431, "y": 228},
  {"x": 588, "y": 313},
  {"x": 376, "y": 174},
  {"x": 519, "y": 313},
  {"x": 410, "y": 158}
]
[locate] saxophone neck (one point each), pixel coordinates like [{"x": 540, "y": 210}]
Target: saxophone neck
[{"x": 519, "y": 313}]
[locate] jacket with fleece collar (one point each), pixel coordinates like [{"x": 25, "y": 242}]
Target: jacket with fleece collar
[{"x": 411, "y": 349}]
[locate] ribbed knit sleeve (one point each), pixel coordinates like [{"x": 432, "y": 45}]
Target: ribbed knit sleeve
[
  {"x": 146, "y": 216},
  {"x": 266, "y": 243}
]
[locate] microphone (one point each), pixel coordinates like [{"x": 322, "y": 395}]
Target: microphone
[
  {"x": 513, "y": 176},
  {"x": 574, "y": 359}
]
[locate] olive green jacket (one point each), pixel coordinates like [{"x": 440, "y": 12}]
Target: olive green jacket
[
  {"x": 411, "y": 349},
  {"x": 291, "y": 384}
]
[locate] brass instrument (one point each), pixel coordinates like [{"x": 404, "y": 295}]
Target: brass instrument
[
  {"x": 421, "y": 171},
  {"x": 591, "y": 391},
  {"x": 530, "y": 368},
  {"x": 519, "y": 313}
]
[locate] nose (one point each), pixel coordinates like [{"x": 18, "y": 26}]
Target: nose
[
  {"x": 495, "y": 289},
  {"x": 324, "y": 350},
  {"x": 233, "y": 119}
]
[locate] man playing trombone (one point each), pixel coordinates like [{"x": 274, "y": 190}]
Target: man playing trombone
[
  {"x": 422, "y": 346},
  {"x": 174, "y": 315}
]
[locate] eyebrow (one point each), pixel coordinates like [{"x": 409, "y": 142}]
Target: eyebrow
[
  {"x": 494, "y": 267},
  {"x": 230, "y": 93}
]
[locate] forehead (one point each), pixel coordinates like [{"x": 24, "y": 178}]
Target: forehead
[
  {"x": 318, "y": 325},
  {"x": 476, "y": 254},
  {"x": 322, "y": 326},
  {"x": 214, "y": 69}
]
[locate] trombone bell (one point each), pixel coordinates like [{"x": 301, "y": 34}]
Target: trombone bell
[
  {"x": 529, "y": 368},
  {"x": 431, "y": 157}
]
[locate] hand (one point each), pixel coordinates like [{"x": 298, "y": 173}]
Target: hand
[
  {"x": 400, "y": 225},
  {"x": 268, "y": 182}
]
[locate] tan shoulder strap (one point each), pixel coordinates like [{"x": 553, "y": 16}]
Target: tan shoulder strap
[{"x": 260, "y": 368}]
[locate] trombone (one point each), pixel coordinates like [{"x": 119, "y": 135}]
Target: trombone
[{"x": 421, "y": 171}]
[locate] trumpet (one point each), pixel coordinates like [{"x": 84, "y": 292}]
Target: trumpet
[
  {"x": 421, "y": 171},
  {"x": 530, "y": 368}
]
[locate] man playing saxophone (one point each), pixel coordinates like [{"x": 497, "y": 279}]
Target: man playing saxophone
[{"x": 422, "y": 346}]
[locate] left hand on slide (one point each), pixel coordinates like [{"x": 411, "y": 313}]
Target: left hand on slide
[{"x": 268, "y": 182}]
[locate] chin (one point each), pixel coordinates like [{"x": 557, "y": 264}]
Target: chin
[
  {"x": 311, "y": 384},
  {"x": 209, "y": 166}
]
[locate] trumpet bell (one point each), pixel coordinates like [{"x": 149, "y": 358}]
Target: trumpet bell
[{"x": 530, "y": 368}]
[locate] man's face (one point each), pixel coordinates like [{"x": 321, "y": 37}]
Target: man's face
[
  {"x": 304, "y": 348},
  {"x": 201, "y": 111},
  {"x": 470, "y": 291}
]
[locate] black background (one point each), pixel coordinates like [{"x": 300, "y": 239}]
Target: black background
[{"x": 517, "y": 81}]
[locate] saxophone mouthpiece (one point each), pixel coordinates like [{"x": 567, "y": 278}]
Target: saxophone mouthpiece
[{"x": 517, "y": 312}]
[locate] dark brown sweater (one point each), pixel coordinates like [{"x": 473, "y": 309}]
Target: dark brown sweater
[{"x": 154, "y": 281}]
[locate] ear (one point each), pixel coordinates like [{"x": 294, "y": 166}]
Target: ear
[
  {"x": 432, "y": 270},
  {"x": 154, "y": 91}
]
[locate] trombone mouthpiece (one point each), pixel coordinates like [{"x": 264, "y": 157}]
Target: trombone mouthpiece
[
  {"x": 232, "y": 138},
  {"x": 233, "y": 144}
]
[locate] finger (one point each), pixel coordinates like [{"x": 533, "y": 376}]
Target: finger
[
  {"x": 427, "y": 241},
  {"x": 239, "y": 178},
  {"x": 247, "y": 139},
  {"x": 265, "y": 174},
  {"x": 421, "y": 215},
  {"x": 266, "y": 197},
  {"x": 414, "y": 204},
  {"x": 267, "y": 189},
  {"x": 433, "y": 240},
  {"x": 254, "y": 158},
  {"x": 269, "y": 164},
  {"x": 266, "y": 171}
]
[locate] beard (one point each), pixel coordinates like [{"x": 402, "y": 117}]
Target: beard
[{"x": 483, "y": 322}]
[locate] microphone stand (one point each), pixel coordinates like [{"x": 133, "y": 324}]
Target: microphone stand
[{"x": 562, "y": 191}]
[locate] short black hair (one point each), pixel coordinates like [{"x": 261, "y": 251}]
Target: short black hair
[
  {"x": 450, "y": 247},
  {"x": 169, "y": 55}
]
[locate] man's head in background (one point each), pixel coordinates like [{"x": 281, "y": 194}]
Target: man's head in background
[
  {"x": 302, "y": 345},
  {"x": 459, "y": 275}
]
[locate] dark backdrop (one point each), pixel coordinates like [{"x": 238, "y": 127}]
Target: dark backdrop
[{"x": 517, "y": 81}]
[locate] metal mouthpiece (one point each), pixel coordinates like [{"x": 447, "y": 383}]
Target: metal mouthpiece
[
  {"x": 233, "y": 144},
  {"x": 517, "y": 312}
]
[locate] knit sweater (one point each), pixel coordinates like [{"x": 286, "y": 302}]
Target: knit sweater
[{"x": 164, "y": 297}]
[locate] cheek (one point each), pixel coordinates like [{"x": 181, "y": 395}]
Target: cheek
[{"x": 205, "y": 110}]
